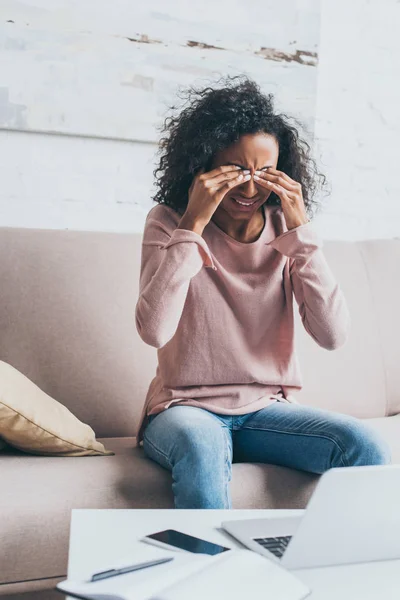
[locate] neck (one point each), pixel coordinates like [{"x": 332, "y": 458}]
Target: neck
[{"x": 247, "y": 231}]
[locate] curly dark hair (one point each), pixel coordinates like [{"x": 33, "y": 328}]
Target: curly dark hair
[{"x": 213, "y": 119}]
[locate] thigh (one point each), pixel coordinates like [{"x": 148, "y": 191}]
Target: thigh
[
  {"x": 295, "y": 436},
  {"x": 181, "y": 430}
]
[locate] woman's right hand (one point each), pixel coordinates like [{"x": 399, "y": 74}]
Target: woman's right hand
[{"x": 207, "y": 192}]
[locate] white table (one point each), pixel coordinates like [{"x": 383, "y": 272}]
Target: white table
[{"x": 101, "y": 536}]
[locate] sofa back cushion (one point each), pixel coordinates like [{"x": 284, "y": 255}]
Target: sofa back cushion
[
  {"x": 363, "y": 377},
  {"x": 67, "y": 303}
]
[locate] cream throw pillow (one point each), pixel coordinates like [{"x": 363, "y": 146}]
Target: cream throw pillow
[{"x": 34, "y": 422}]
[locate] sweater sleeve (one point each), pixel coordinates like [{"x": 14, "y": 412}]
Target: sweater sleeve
[
  {"x": 168, "y": 263},
  {"x": 322, "y": 305}
]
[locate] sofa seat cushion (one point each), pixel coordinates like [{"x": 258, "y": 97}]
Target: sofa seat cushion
[{"x": 39, "y": 492}]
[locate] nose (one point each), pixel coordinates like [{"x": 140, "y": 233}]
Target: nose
[{"x": 248, "y": 189}]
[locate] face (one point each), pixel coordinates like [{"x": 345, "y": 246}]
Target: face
[{"x": 254, "y": 152}]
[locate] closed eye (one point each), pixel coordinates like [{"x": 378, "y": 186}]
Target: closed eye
[{"x": 245, "y": 168}]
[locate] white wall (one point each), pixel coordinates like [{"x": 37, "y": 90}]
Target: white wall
[
  {"x": 358, "y": 117},
  {"x": 79, "y": 100},
  {"x": 70, "y": 182},
  {"x": 84, "y": 82}
]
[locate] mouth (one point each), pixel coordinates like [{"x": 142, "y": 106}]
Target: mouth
[{"x": 244, "y": 204}]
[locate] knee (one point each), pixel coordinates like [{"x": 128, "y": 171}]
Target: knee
[
  {"x": 202, "y": 445},
  {"x": 186, "y": 435},
  {"x": 361, "y": 445}
]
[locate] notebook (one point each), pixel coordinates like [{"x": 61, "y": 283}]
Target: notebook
[
  {"x": 138, "y": 585},
  {"x": 236, "y": 574}
]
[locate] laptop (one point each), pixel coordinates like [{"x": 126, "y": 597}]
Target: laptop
[{"x": 353, "y": 516}]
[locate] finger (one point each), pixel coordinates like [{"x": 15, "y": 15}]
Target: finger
[
  {"x": 265, "y": 183},
  {"x": 220, "y": 170},
  {"x": 284, "y": 195},
  {"x": 278, "y": 189},
  {"x": 277, "y": 179},
  {"x": 284, "y": 175},
  {"x": 233, "y": 182},
  {"x": 275, "y": 187},
  {"x": 225, "y": 187},
  {"x": 223, "y": 177}
]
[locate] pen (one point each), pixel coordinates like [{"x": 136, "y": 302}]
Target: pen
[{"x": 123, "y": 570}]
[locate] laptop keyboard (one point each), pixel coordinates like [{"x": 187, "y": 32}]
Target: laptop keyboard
[{"x": 276, "y": 545}]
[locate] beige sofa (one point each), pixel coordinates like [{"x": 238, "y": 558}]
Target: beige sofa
[{"x": 67, "y": 321}]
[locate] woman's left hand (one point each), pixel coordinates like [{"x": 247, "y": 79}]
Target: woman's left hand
[{"x": 289, "y": 192}]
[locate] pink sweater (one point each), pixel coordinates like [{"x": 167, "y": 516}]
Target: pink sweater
[{"x": 220, "y": 312}]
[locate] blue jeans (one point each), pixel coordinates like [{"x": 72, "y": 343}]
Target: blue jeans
[{"x": 199, "y": 446}]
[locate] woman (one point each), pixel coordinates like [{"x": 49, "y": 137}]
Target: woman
[{"x": 224, "y": 251}]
